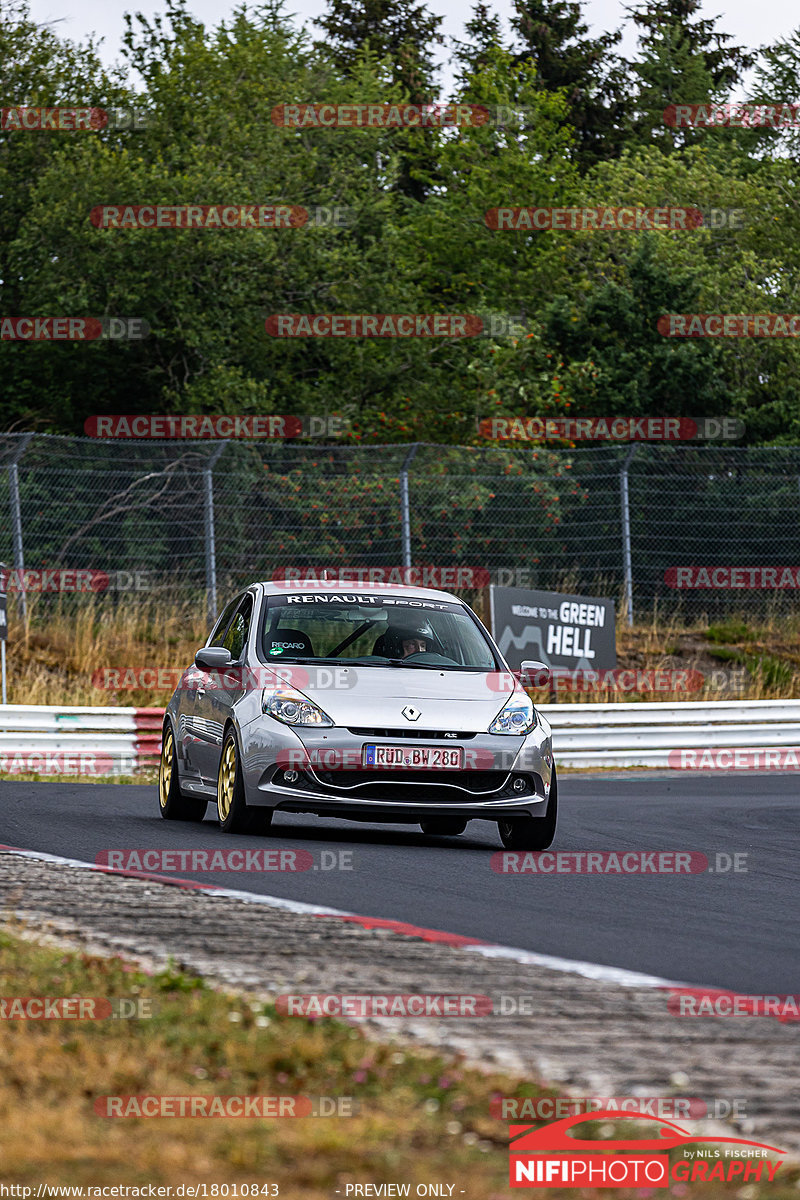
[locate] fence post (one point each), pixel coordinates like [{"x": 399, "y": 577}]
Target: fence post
[
  {"x": 405, "y": 512},
  {"x": 16, "y": 519},
  {"x": 626, "y": 533},
  {"x": 208, "y": 523}
]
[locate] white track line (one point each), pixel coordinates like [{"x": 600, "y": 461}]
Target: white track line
[{"x": 619, "y": 976}]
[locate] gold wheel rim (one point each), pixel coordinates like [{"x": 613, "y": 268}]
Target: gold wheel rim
[
  {"x": 227, "y": 780},
  {"x": 165, "y": 768}
]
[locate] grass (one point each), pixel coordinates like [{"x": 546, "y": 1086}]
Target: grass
[
  {"x": 418, "y": 1115},
  {"x": 66, "y": 641}
]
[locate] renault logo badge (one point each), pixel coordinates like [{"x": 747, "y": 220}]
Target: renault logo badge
[{"x": 411, "y": 713}]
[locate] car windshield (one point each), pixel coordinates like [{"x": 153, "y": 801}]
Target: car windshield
[{"x": 373, "y": 631}]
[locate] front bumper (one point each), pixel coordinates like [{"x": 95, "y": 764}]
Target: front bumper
[{"x": 502, "y": 776}]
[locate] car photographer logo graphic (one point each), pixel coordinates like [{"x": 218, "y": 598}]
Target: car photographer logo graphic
[
  {"x": 610, "y": 429},
  {"x": 729, "y": 325},
  {"x": 222, "y": 427},
  {"x": 550, "y": 1157}
]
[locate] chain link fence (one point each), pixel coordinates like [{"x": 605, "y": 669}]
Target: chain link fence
[{"x": 215, "y": 516}]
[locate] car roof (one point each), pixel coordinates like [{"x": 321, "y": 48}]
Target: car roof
[{"x": 274, "y": 587}]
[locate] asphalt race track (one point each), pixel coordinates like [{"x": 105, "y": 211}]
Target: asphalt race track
[{"x": 730, "y": 930}]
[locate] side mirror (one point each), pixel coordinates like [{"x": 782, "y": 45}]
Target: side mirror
[
  {"x": 213, "y": 658},
  {"x": 534, "y": 673}
]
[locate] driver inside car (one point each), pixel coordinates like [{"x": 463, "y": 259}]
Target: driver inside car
[
  {"x": 401, "y": 641},
  {"x": 414, "y": 645}
]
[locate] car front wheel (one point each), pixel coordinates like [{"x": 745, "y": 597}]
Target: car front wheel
[
  {"x": 532, "y": 833},
  {"x": 234, "y": 815}
]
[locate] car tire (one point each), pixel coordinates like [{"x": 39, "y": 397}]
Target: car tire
[
  {"x": 443, "y": 826},
  {"x": 232, "y": 811},
  {"x": 173, "y": 805},
  {"x": 532, "y": 833}
]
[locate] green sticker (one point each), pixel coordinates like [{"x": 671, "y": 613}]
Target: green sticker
[{"x": 276, "y": 650}]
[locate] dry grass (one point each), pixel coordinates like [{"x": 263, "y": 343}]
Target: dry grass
[
  {"x": 53, "y": 657},
  {"x": 419, "y": 1116}
]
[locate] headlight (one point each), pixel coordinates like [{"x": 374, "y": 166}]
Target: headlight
[
  {"x": 517, "y": 716},
  {"x": 293, "y": 708}
]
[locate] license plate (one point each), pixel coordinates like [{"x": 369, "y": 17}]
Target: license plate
[{"x": 421, "y": 758}]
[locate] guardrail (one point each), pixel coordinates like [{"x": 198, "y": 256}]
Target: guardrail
[
  {"x": 655, "y": 734},
  {"x": 120, "y": 741},
  {"x": 62, "y": 740}
]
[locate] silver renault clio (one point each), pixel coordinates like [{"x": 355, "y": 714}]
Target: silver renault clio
[{"x": 379, "y": 703}]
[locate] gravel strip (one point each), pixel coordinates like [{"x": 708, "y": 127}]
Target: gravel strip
[{"x": 588, "y": 1038}]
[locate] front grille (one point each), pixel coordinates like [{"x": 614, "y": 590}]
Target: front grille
[
  {"x": 419, "y": 788},
  {"x": 427, "y": 735},
  {"x": 475, "y": 782}
]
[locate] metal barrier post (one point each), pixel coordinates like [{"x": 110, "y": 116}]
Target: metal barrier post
[
  {"x": 16, "y": 519},
  {"x": 210, "y": 542},
  {"x": 405, "y": 512},
  {"x": 626, "y": 534}
]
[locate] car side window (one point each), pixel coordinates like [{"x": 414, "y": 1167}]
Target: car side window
[
  {"x": 220, "y": 629},
  {"x": 235, "y": 639}
]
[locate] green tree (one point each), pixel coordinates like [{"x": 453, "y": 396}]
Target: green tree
[
  {"x": 554, "y": 37},
  {"x": 683, "y": 59}
]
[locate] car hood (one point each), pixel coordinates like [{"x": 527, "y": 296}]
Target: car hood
[{"x": 445, "y": 700}]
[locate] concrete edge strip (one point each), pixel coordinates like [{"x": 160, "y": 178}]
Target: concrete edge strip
[{"x": 619, "y": 976}]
